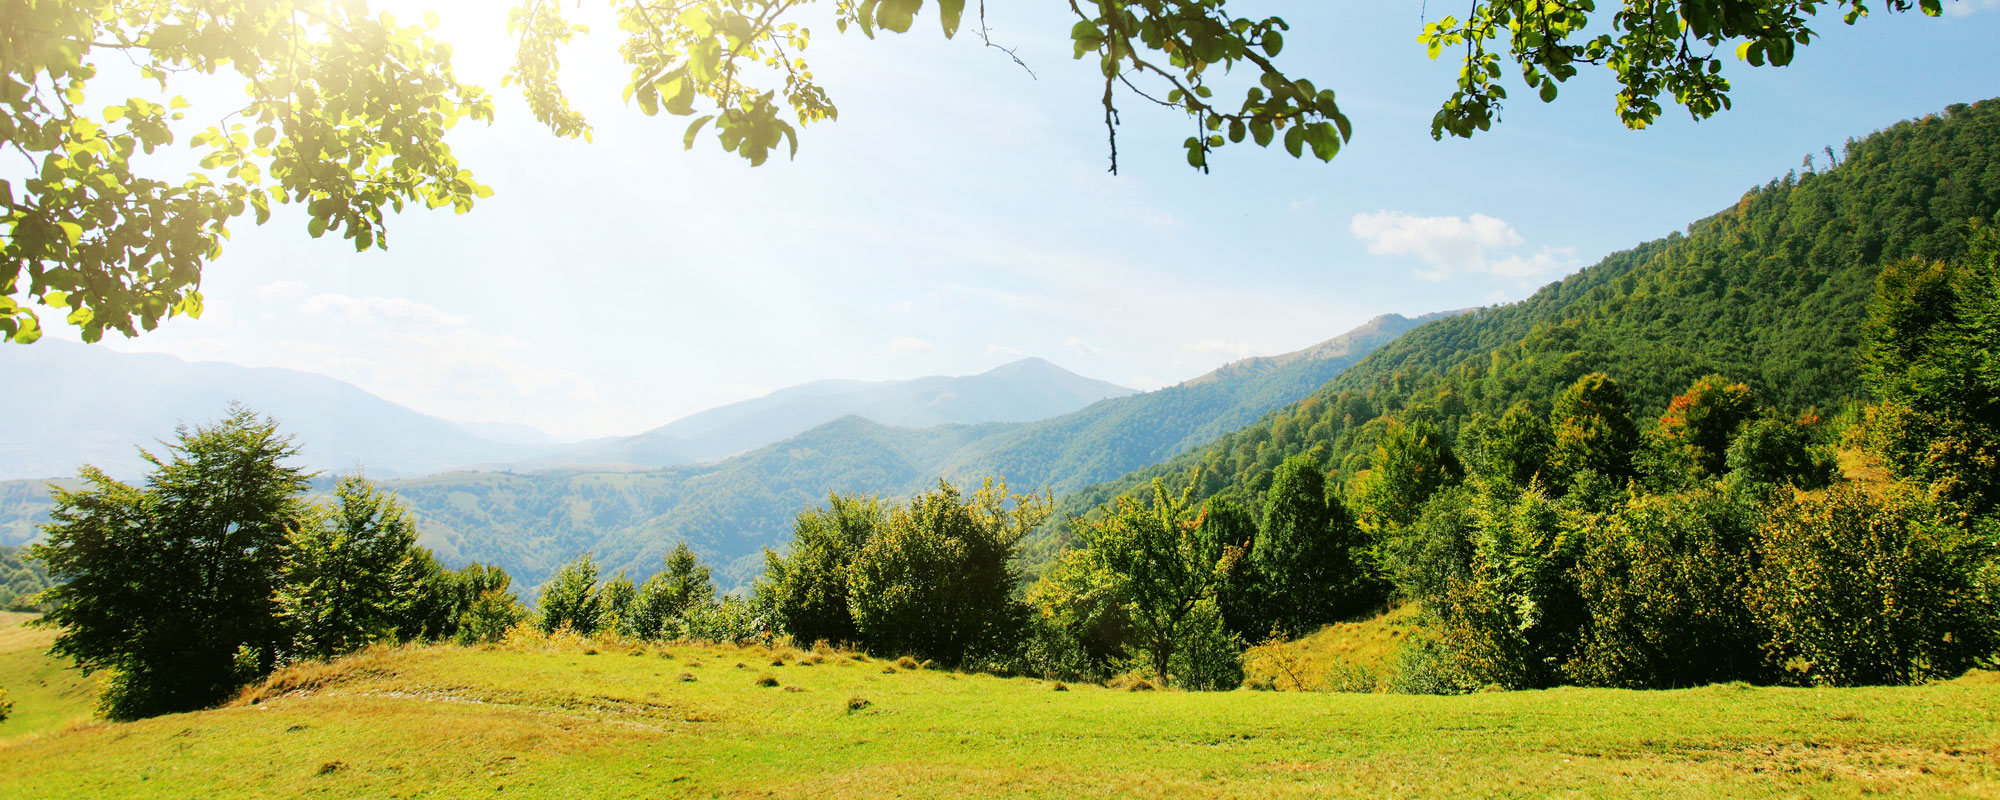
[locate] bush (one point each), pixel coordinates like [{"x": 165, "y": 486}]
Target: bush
[
  {"x": 6, "y": 705},
  {"x": 1210, "y": 658},
  {"x": 1854, "y": 590},
  {"x": 938, "y": 580},
  {"x": 1518, "y": 616},
  {"x": 489, "y": 618},
  {"x": 1663, "y": 579},
  {"x": 571, "y": 599}
]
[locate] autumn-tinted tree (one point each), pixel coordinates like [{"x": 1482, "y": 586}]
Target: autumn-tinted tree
[
  {"x": 1691, "y": 442},
  {"x": 339, "y": 589},
  {"x": 173, "y": 587}
]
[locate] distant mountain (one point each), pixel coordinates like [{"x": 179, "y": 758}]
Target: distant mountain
[
  {"x": 1028, "y": 389},
  {"x": 728, "y": 511},
  {"x": 69, "y": 404}
]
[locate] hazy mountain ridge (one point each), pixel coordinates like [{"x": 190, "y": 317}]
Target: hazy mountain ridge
[
  {"x": 1028, "y": 389},
  {"x": 95, "y": 405}
]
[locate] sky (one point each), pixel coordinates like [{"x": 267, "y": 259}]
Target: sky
[{"x": 960, "y": 216}]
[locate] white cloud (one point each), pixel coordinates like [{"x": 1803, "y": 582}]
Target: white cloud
[
  {"x": 1082, "y": 347},
  {"x": 1446, "y": 243},
  {"x": 282, "y": 291},
  {"x": 1960, "y": 8},
  {"x": 1451, "y": 246},
  {"x": 1546, "y": 261},
  {"x": 911, "y": 346},
  {"x": 1003, "y": 350}
]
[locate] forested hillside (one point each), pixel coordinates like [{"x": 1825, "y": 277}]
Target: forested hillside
[
  {"x": 1772, "y": 291},
  {"x": 731, "y": 510}
]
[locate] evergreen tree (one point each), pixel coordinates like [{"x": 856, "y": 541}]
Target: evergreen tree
[{"x": 172, "y": 587}]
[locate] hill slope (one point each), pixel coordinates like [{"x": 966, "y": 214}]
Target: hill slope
[
  {"x": 1028, "y": 389},
  {"x": 1771, "y": 291},
  {"x": 95, "y": 405},
  {"x": 555, "y": 720}
]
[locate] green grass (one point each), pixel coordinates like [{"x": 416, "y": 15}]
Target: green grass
[
  {"x": 47, "y": 694},
  {"x": 554, "y": 720}
]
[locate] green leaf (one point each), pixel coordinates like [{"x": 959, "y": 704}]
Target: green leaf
[
  {"x": 949, "y": 12},
  {"x": 687, "y": 139},
  {"x": 1295, "y": 141}
]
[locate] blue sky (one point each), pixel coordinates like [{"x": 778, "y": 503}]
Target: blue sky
[{"x": 959, "y": 216}]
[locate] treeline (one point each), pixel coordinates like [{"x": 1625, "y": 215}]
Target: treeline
[
  {"x": 21, "y": 581},
  {"x": 1557, "y": 542},
  {"x": 218, "y": 569}
]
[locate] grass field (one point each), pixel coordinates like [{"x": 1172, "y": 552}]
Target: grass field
[
  {"x": 541, "y": 719},
  {"x": 46, "y": 695}
]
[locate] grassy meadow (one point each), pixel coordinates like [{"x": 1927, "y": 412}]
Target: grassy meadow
[{"x": 568, "y": 718}]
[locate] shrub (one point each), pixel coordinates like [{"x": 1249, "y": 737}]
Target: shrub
[
  {"x": 1518, "y": 616},
  {"x": 6, "y": 705},
  {"x": 1855, "y": 590},
  {"x": 1663, "y": 579},
  {"x": 572, "y": 599},
  {"x": 938, "y": 580},
  {"x": 1210, "y": 658},
  {"x": 490, "y": 616}
]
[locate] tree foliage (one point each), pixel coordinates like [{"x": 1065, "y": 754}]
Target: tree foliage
[
  {"x": 339, "y": 588},
  {"x": 1172, "y": 559},
  {"x": 172, "y": 587},
  {"x": 739, "y": 65},
  {"x": 572, "y": 599},
  {"x": 1853, "y": 589},
  {"x": 1932, "y": 355},
  {"x": 344, "y": 113},
  {"x": 937, "y": 581}
]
